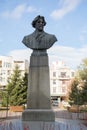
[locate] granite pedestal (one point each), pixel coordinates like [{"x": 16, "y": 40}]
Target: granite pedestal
[{"x": 38, "y": 97}]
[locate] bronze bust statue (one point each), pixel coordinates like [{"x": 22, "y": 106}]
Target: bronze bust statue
[{"x": 39, "y": 39}]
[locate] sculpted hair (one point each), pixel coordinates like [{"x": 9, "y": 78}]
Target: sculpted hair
[{"x": 36, "y": 19}]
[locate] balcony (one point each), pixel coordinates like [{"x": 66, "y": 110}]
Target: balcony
[{"x": 64, "y": 77}]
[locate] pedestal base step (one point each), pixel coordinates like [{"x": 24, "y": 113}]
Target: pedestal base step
[{"x": 38, "y": 115}]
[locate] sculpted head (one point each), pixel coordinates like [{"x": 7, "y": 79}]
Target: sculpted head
[{"x": 39, "y": 22}]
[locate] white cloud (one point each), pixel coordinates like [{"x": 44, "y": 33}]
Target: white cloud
[
  {"x": 18, "y": 11},
  {"x": 21, "y": 54},
  {"x": 71, "y": 56},
  {"x": 31, "y": 9},
  {"x": 66, "y": 7}
]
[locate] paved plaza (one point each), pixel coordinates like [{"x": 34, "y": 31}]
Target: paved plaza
[
  {"x": 13, "y": 122},
  {"x": 60, "y": 124}
]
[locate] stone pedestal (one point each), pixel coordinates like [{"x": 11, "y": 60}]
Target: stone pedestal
[
  {"x": 38, "y": 97},
  {"x": 45, "y": 115}
]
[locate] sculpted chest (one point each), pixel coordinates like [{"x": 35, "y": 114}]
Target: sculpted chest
[{"x": 42, "y": 41}]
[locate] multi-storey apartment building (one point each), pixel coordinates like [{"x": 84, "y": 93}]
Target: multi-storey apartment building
[
  {"x": 7, "y": 65},
  {"x": 23, "y": 65},
  {"x": 60, "y": 77}
]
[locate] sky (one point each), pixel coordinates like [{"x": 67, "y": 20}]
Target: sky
[{"x": 66, "y": 19}]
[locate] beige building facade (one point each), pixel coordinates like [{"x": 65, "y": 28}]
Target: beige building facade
[
  {"x": 60, "y": 78},
  {"x": 7, "y": 65}
]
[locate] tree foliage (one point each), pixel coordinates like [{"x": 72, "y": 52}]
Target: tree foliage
[
  {"x": 23, "y": 91},
  {"x": 75, "y": 94},
  {"x": 82, "y": 72},
  {"x": 17, "y": 88},
  {"x": 4, "y": 97},
  {"x": 78, "y": 94}
]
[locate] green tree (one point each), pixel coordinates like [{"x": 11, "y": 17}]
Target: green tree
[
  {"x": 75, "y": 95},
  {"x": 23, "y": 91},
  {"x": 14, "y": 85},
  {"x": 4, "y": 96},
  {"x": 78, "y": 94},
  {"x": 17, "y": 88},
  {"x": 84, "y": 93},
  {"x": 82, "y": 70},
  {"x": 82, "y": 73}
]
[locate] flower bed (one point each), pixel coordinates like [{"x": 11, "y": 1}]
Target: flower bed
[{"x": 16, "y": 108}]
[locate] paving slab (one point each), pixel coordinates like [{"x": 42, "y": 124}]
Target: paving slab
[{"x": 59, "y": 124}]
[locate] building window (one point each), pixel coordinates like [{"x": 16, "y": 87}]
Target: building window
[
  {"x": 8, "y": 72},
  {"x": 2, "y": 72},
  {"x": 54, "y": 89},
  {"x": 54, "y": 74},
  {"x": 54, "y": 81},
  {"x": 63, "y": 74},
  {"x": 63, "y": 82},
  {"x": 7, "y": 65}
]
